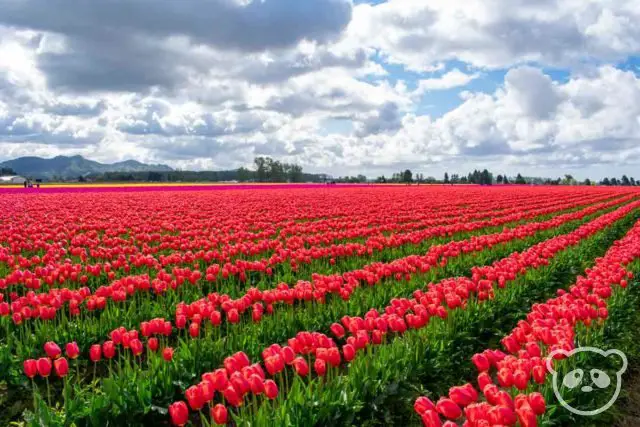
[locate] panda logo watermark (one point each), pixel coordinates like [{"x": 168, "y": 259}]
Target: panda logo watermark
[{"x": 588, "y": 379}]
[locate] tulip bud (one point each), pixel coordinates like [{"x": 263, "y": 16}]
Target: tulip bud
[
  {"x": 167, "y": 354},
  {"x": 270, "y": 389},
  {"x": 179, "y": 413},
  {"x": 30, "y": 368},
  {"x": 219, "y": 414},
  {"x": 44, "y": 366},
  {"x": 72, "y": 350},
  {"x": 52, "y": 350},
  {"x": 95, "y": 353},
  {"x": 61, "y": 366}
]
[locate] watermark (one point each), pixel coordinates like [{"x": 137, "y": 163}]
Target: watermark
[{"x": 588, "y": 380}]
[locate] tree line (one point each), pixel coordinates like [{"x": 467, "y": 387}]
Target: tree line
[
  {"x": 266, "y": 170},
  {"x": 485, "y": 177},
  {"x": 7, "y": 172}
]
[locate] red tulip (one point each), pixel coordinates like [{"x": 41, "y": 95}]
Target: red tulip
[
  {"x": 194, "y": 330},
  {"x": 231, "y": 395},
  {"x": 320, "y": 366},
  {"x": 481, "y": 362},
  {"x": 136, "y": 347},
  {"x": 337, "y": 330},
  {"x": 536, "y": 400},
  {"x": 72, "y": 350},
  {"x": 460, "y": 396},
  {"x": 423, "y": 404},
  {"x": 52, "y": 350},
  {"x": 108, "y": 349},
  {"x": 527, "y": 417},
  {"x": 448, "y": 408},
  {"x": 233, "y": 316},
  {"x": 270, "y": 389},
  {"x": 505, "y": 378},
  {"x": 167, "y": 354},
  {"x": 219, "y": 414},
  {"x": 349, "y": 352},
  {"x": 153, "y": 344},
  {"x": 431, "y": 419},
  {"x": 44, "y": 366},
  {"x": 95, "y": 353},
  {"x": 30, "y": 368},
  {"x": 194, "y": 397},
  {"x": 179, "y": 413},
  {"x": 539, "y": 374},
  {"x": 484, "y": 379},
  {"x": 61, "y": 366},
  {"x": 301, "y": 366}
]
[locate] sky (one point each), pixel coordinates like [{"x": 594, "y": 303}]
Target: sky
[{"x": 540, "y": 87}]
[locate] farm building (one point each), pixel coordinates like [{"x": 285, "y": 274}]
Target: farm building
[{"x": 13, "y": 179}]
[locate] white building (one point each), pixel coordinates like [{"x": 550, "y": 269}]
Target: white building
[{"x": 13, "y": 179}]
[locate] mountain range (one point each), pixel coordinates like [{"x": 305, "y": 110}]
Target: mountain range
[{"x": 68, "y": 167}]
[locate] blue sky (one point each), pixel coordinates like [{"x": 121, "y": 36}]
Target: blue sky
[{"x": 334, "y": 85}]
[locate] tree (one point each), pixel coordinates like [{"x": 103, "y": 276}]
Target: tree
[
  {"x": 632, "y": 181},
  {"x": 605, "y": 181},
  {"x": 293, "y": 172},
  {"x": 243, "y": 174},
  {"x": 261, "y": 168},
  {"x": 499, "y": 179},
  {"x": 587, "y": 182},
  {"x": 625, "y": 180},
  {"x": 446, "y": 178},
  {"x": 505, "y": 180},
  {"x": 520, "y": 180},
  {"x": 155, "y": 176},
  {"x": 486, "y": 178},
  {"x": 82, "y": 179},
  {"x": 7, "y": 172},
  {"x": 407, "y": 176}
]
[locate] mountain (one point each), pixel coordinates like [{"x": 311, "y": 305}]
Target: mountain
[{"x": 74, "y": 166}]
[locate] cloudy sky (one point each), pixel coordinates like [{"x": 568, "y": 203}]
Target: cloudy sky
[{"x": 541, "y": 87}]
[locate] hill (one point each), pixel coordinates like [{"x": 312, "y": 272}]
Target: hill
[{"x": 74, "y": 166}]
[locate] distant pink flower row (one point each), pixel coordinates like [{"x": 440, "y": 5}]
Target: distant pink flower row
[{"x": 97, "y": 188}]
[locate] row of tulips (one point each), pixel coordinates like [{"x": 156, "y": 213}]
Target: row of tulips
[
  {"x": 121, "y": 338},
  {"x": 256, "y": 302},
  {"x": 533, "y": 348},
  {"x": 125, "y": 254},
  {"x": 82, "y": 272},
  {"x": 45, "y": 306},
  {"x": 400, "y": 315}
]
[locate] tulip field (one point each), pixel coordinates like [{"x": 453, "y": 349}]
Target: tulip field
[{"x": 311, "y": 305}]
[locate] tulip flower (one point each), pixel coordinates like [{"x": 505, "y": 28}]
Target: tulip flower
[
  {"x": 167, "y": 354},
  {"x": 61, "y": 367},
  {"x": 423, "y": 404},
  {"x": 219, "y": 414},
  {"x": 44, "y": 367},
  {"x": 270, "y": 389},
  {"x": 52, "y": 349},
  {"x": 108, "y": 350},
  {"x": 536, "y": 400},
  {"x": 448, "y": 408},
  {"x": 30, "y": 368},
  {"x": 72, "y": 350},
  {"x": 179, "y": 413},
  {"x": 95, "y": 353}
]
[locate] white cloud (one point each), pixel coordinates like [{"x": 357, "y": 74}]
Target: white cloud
[
  {"x": 112, "y": 84},
  {"x": 449, "y": 80}
]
